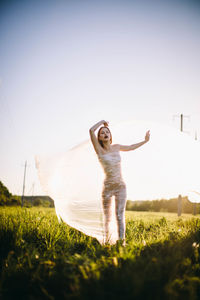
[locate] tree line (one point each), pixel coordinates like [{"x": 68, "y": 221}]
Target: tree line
[
  {"x": 164, "y": 205},
  {"x": 160, "y": 205},
  {"x": 7, "y": 199}
]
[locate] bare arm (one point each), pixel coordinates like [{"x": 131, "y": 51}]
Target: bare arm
[
  {"x": 93, "y": 128},
  {"x": 93, "y": 137},
  {"x": 135, "y": 146}
]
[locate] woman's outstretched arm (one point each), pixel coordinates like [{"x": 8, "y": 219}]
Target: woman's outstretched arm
[
  {"x": 93, "y": 137},
  {"x": 135, "y": 146}
]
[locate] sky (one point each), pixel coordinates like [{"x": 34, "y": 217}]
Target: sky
[{"x": 65, "y": 65}]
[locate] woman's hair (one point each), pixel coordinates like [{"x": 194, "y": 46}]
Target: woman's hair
[{"x": 98, "y": 135}]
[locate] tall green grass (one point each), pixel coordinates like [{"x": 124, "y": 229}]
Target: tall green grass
[{"x": 41, "y": 258}]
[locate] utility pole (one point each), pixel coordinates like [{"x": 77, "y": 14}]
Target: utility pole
[
  {"x": 179, "y": 204},
  {"x": 33, "y": 186},
  {"x": 194, "y": 204},
  {"x": 194, "y": 209},
  {"x": 22, "y": 204},
  {"x": 181, "y": 123},
  {"x": 181, "y": 116},
  {"x": 196, "y": 136}
]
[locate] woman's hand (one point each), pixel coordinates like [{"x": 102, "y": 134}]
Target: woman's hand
[
  {"x": 102, "y": 122},
  {"x": 147, "y": 136},
  {"x": 105, "y": 123}
]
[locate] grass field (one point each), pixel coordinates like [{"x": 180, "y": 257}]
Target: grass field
[{"x": 41, "y": 258}]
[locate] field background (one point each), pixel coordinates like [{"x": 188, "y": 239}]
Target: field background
[{"x": 41, "y": 258}]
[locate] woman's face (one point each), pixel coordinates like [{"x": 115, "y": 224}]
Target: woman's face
[{"x": 104, "y": 135}]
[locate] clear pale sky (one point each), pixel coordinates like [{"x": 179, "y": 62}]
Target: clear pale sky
[{"x": 65, "y": 65}]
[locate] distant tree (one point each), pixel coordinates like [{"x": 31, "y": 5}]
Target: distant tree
[
  {"x": 162, "y": 205},
  {"x": 6, "y": 198},
  {"x": 37, "y": 202},
  {"x": 16, "y": 200},
  {"x": 129, "y": 205},
  {"x": 5, "y": 195}
]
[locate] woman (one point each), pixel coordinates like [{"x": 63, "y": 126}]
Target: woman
[{"x": 114, "y": 185}]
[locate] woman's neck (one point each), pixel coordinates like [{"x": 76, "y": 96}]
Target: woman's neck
[{"x": 107, "y": 146}]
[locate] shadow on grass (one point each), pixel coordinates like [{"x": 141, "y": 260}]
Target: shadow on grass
[
  {"x": 83, "y": 269},
  {"x": 168, "y": 270}
]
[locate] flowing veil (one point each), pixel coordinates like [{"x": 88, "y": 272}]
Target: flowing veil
[{"x": 166, "y": 166}]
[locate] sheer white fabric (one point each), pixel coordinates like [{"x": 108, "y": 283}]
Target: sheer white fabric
[
  {"x": 168, "y": 165},
  {"x": 113, "y": 186}
]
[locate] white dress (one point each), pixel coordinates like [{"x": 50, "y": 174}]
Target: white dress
[
  {"x": 113, "y": 186},
  {"x": 168, "y": 165}
]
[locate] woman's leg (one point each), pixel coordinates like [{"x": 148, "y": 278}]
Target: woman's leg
[
  {"x": 120, "y": 204},
  {"x": 106, "y": 198}
]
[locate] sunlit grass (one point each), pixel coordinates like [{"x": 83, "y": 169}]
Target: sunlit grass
[
  {"x": 152, "y": 216},
  {"x": 54, "y": 261}
]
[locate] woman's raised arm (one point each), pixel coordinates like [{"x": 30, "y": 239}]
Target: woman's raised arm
[
  {"x": 135, "y": 146},
  {"x": 102, "y": 122},
  {"x": 93, "y": 136}
]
